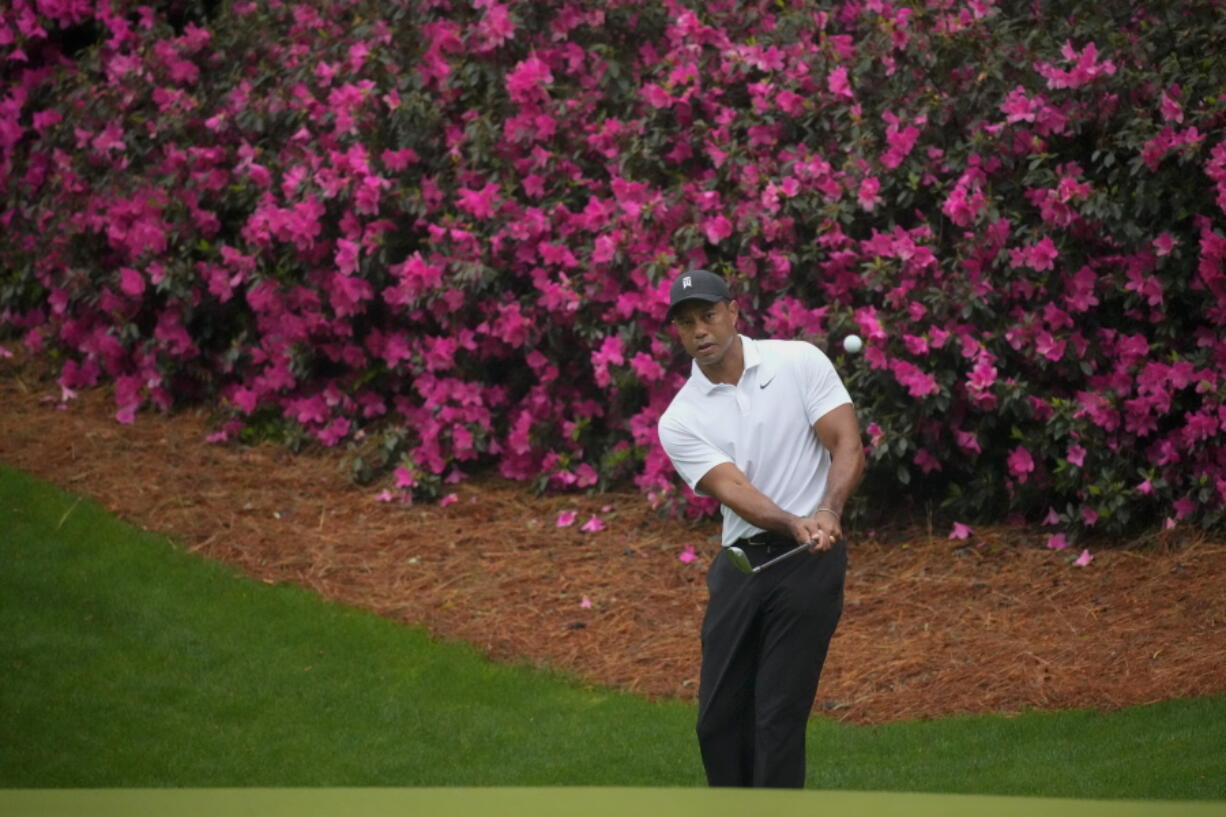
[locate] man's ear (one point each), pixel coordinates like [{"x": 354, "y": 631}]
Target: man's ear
[{"x": 734, "y": 310}]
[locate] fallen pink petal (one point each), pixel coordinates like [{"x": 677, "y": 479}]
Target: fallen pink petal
[
  {"x": 688, "y": 555},
  {"x": 1057, "y": 541},
  {"x": 566, "y": 518},
  {"x": 960, "y": 531},
  {"x": 586, "y": 603},
  {"x": 386, "y": 496},
  {"x": 593, "y": 525},
  {"x": 448, "y": 500},
  {"x": 1084, "y": 559}
]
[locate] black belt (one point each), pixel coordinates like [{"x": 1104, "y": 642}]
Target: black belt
[{"x": 766, "y": 538}]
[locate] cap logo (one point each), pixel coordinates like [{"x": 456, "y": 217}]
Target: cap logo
[{"x": 686, "y": 283}]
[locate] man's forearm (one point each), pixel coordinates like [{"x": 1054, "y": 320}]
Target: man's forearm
[
  {"x": 758, "y": 509},
  {"x": 846, "y": 469},
  {"x": 727, "y": 484}
]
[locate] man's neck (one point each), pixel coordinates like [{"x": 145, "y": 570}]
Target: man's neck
[{"x": 731, "y": 367}]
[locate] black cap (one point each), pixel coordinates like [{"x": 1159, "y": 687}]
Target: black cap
[{"x": 696, "y": 285}]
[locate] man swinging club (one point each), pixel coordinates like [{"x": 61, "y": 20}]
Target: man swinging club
[{"x": 768, "y": 429}]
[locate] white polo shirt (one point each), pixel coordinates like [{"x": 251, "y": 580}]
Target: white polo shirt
[{"x": 763, "y": 425}]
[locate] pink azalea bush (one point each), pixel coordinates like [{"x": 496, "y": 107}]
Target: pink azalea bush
[{"x": 442, "y": 232}]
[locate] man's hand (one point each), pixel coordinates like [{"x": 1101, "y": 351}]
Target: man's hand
[{"x": 822, "y": 529}]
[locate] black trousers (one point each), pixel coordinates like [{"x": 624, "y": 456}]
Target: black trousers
[{"x": 764, "y": 640}]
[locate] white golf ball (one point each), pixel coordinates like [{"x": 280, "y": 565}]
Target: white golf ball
[{"x": 853, "y": 344}]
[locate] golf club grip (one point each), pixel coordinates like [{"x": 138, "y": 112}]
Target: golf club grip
[{"x": 807, "y": 546}]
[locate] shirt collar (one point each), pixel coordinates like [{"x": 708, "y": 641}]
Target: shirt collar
[{"x": 753, "y": 359}]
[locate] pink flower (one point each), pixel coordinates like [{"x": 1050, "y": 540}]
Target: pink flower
[
  {"x": 1076, "y": 455},
  {"x": 1084, "y": 559},
  {"x": 869, "y": 194},
  {"x": 46, "y": 119},
  {"x": 688, "y": 555},
  {"x": 566, "y": 518},
  {"x": 1057, "y": 541},
  {"x": 875, "y": 434},
  {"x": 917, "y": 382},
  {"x": 646, "y": 367},
  {"x": 1018, "y": 107},
  {"x": 926, "y": 462},
  {"x": 900, "y": 141},
  {"x": 656, "y": 96},
  {"x": 1089, "y": 516},
  {"x": 448, "y": 500},
  {"x": 1049, "y": 347},
  {"x": 837, "y": 83},
  {"x": 982, "y": 377},
  {"x": 960, "y": 531},
  {"x": 385, "y": 496},
  {"x": 717, "y": 229},
  {"x": 585, "y": 476},
  {"x": 1039, "y": 256},
  {"x": 481, "y": 203},
  {"x": 131, "y": 282},
  {"x": 1171, "y": 110},
  {"x": 1085, "y": 69},
  {"x": 1145, "y": 488},
  {"x": 534, "y": 185},
  {"x": 604, "y": 249},
  {"x": 916, "y": 345},
  {"x": 585, "y": 603},
  {"x": 968, "y": 441},
  {"x": 1183, "y": 507},
  {"x": 593, "y": 525},
  {"x": 496, "y": 26},
  {"x": 1021, "y": 464},
  {"x": 404, "y": 478},
  {"x": 1164, "y": 244},
  {"x": 334, "y": 432},
  {"x": 527, "y": 79},
  {"x": 609, "y": 354},
  {"x": 346, "y": 256}
]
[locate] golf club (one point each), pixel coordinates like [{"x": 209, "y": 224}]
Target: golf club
[{"x": 741, "y": 561}]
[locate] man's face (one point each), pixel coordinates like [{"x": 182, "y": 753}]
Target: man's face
[{"x": 706, "y": 329}]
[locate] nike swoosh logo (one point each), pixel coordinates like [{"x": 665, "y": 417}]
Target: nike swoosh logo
[{"x": 767, "y": 383}]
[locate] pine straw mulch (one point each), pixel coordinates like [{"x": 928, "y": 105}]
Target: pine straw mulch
[{"x": 931, "y": 627}]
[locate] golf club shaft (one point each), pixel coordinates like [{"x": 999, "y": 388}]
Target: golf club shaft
[
  {"x": 798, "y": 549},
  {"x": 782, "y": 556}
]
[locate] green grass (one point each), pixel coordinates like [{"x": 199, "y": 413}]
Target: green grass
[{"x": 127, "y": 662}]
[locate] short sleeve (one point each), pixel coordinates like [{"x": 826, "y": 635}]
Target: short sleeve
[
  {"x": 691, "y": 455},
  {"x": 823, "y": 388}
]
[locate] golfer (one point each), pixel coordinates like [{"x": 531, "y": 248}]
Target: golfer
[{"x": 768, "y": 429}]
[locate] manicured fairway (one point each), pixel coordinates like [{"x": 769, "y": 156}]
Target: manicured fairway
[
  {"x": 566, "y": 802},
  {"x": 130, "y": 663}
]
